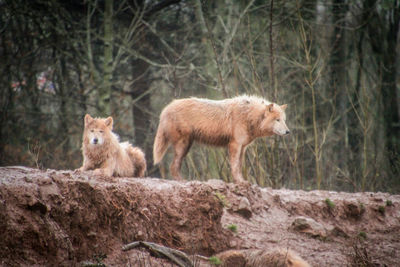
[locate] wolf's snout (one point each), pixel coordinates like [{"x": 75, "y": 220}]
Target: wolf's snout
[
  {"x": 287, "y": 132},
  {"x": 95, "y": 141}
]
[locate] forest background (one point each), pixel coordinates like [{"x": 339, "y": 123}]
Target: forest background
[{"x": 334, "y": 62}]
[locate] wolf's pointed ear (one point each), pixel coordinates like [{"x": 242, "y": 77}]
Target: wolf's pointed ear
[
  {"x": 88, "y": 119},
  {"x": 270, "y": 107},
  {"x": 283, "y": 107},
  {"x": 109, "y": 122}
]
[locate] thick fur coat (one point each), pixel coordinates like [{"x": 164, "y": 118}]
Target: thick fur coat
[
  {"x": 261, "y": 258},
  {"x": 233, "y": 123},
  {"x": 103, "y": 153}
]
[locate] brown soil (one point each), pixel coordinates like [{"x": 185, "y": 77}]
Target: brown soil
[{"x": 64, "y": 218}]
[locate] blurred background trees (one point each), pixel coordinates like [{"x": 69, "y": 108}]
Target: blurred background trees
[{"x": 334, "y": 62}]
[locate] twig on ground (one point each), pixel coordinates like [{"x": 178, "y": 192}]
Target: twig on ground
[{"x": 176, "y": 256}]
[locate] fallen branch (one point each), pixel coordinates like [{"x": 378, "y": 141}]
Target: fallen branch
[{"x": 176, "y": 256}]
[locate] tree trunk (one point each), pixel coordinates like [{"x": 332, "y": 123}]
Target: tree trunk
[
  {"x": 338, "y": 80},
  {"x": 383, "y": 33},
  {"x": 140, "y": 110},
  {"x": 105, "y": 92},
  {"x": 389, "y": 92}
]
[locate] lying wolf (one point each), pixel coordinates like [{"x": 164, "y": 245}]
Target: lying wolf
[
  {"x": 103, "y": 153},
  {"x": 259, "y": 258},
  {"x": 233, "y": 123}
]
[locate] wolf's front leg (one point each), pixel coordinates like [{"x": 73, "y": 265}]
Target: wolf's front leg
[
  {"x": 87, "y": 165},
  {"x": 235, "y": 159},
  {"x": 107, "y": 169},
  {"x": 103, "y": 172}
]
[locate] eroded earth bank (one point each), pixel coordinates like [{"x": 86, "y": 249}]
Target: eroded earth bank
[{"x": 64, "y": 218}]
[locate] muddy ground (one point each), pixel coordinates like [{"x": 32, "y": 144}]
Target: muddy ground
[{"x": 65, "y": 218}]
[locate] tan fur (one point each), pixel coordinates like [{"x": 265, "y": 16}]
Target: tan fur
[
  {"x": 108, "y": 156},
  {"x": 235, "y": 258},
  {"x": 261, "y": 258},
  {"x": 233, "y": 123}
]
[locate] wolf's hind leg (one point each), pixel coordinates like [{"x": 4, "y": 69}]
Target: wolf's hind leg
[{"x": 181, "y": 148}]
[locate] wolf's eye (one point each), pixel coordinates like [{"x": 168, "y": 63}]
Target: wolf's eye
[
  {"x": 91, "y": 131},
  {"x": 278, "y": 120},
  {"x": 101, "y": 131}
]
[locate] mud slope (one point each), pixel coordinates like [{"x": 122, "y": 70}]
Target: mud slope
[{"x": 62, "y": 218}]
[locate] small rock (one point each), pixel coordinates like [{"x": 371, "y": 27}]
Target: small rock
[
  {"x": 338, "y": 232},
  {"x": 182, "y": 222},
  {"x": 244, "y": 208},
  {"x": 309, "y": 226},
  {"x": 91, "y": 234},
  {"x": 233, "y": 243},
  {"x": 140, "y": 234},
  {"x": 244, "y": 203}
]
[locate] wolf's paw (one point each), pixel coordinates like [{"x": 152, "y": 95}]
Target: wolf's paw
[
  {"x": 78, "y": 170},
  {"x": 98, "y": 172}
]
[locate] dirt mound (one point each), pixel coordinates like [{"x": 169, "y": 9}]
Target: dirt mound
[
  {"x": 325, "y": 228},
  {"x": 65, "y": 218},
  {"x": 62, "y": 218}
]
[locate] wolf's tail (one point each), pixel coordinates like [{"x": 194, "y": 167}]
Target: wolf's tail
[
  {"x": 138, "y": 158},
  {"x": 160, "y": 145}
]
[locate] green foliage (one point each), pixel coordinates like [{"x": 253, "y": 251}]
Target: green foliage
[
  {"x": 362, "y": 235},
  {"x": 222, "y": 199},
  {"x": 98, "y": 258},
  {"x": 214, "y": 260},
  {"x": 389, "y": 203},
  {"x": 91, "y": 264},
  {"x": 381, "y": 210},
  {"x": 330, "y": 204},
  {"x": 232, "y": 227}
]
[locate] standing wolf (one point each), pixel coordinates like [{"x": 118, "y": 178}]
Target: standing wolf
[
  {"x": 233, "y": 123},
  {"x": 103, "y": 153}
]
